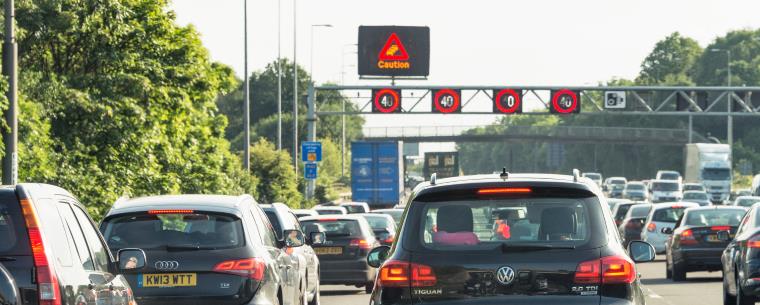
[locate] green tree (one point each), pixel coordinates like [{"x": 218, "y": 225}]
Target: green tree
[
  {"x": 672, "y": 59},
  {"x": 274, "y": 168}
]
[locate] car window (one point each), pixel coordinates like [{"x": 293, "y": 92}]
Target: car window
[
  {"x": 722, "y": 217},
  {"x": 670, "y": 215},
  {"x": 669, "y": 176},
  {"x": 665, "y": 186},
  {"x": 55, "y": 231},
  {"x": 12, "y": 228},
  {"x": 196, "y": 229},
  {"x": 622, "y": 211},
  {"x": 265, "y": 227},
  {"x": 272, "y": 217},
  {"x": 747, "y": 202},
  {"x": 329, "y": 212},
  {"x": 354, "y": 208},
  {"x": 252, "y": 228},
  {"x": 634, "y": 187},
  {"x": 77, "y": 236},
  {"x": 699, "y": 196},
  {"x": 98, "y": 250},
  {"x": 746, "y": 222},
  {"x": 378, "y": 222},
  {"x": 338, "y": 228},
  {"x": 482, "y": 225},
  {"x": 638, "y": 211},
  {"x": 716, "y": 174}
]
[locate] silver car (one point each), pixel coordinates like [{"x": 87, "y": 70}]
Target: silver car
[
  {"x": 662, "y": 215},
  {"x": 697, "y": 197}
]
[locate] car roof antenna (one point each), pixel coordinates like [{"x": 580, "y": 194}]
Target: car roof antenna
[
  {"x": 432, "y": 178},
  {"x": 504, "y": 174},
  {"x": 576, "y": 175}
]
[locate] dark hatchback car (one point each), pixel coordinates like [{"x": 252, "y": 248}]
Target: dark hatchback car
[
  {"x": 204, "y": 249},
  {"x": 619, "y": 211},
  {"x": 343, "y": 255},
  {"x": 53, "y": 253},
  {"x": 383, "y": 226},
  {"x": 741, "y": 261},
  {"x": 694, "y": 244},
  {"x": 631, "y": 226},
  {"x": 559, "y": 245}
]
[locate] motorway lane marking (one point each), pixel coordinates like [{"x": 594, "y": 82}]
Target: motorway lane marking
[{"x": 654, "y": 295}]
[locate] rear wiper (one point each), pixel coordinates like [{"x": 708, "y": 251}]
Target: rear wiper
[
  {"x": 186, "y": 247},
  {"x": 527, "y": 248}
]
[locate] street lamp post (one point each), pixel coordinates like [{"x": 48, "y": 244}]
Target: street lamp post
[
  {"x": 247, "y": 94},
  {"x": 311, "y": 50},
  {"x": 279, "y": 75},
  {"x": 730, "y": 121},
  {"x": 295, "y": 89},
  {"x": 10, "y": 70},
  {"x": 343, "y": 116}
]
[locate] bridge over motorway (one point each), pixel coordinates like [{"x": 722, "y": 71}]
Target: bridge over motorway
[{"x": 566, "y": 134}]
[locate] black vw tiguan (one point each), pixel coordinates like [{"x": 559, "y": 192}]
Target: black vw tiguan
[{"x": 508, "y": 239}]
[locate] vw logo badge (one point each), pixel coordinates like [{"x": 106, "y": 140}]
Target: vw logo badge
[
  {"x": 505, "y": 275},
  {"x": 166, "y": 265}
]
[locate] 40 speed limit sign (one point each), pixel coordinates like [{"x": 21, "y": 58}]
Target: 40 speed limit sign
[
  {"x": 507, "y": 101},
  {"x": 386, "y": 100},
  {"x": 447, "y": 101},
  {"x": 565, "y": 101}
]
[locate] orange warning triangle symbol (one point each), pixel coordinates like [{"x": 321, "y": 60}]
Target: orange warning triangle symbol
[{"x": 394, "y": 49}]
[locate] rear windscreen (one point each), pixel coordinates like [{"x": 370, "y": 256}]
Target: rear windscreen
[
  {"x": 275, "y": 223},
  {"x": 669, "y": 176},
  {"x": 747, "y": 202},
  {"x": 622, "y": 210},
  {"x": 329, "y": 212},
  {"x": 354, "y": 209},
  {"x": 197, "y": 230},
  {"x": 639, "y": 211},
  {"x": 13, "y": 236},
  {"x": 338, "y": 228},
  {"x": 634, "y": 187},
  {"x": 697, "y": 196},
  {"x": 665, "y": 186},
  {"x": 722, "y": 217},
  {"x": 490, "y": 224},
  {"x": 670, "y": 215},
  {"x": 378, "y": 222}
]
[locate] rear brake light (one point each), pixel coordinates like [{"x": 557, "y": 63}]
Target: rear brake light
[
  {"x": 328, "y": 219},
  {"x": 251, "y": 267},
  {"x": 504, "y": 190},
  {"x": 156, "y": 212},
  {"x": 389, "y": 239},
  {"x": 720, "y": 228},
  {"x": 47, "y": 282},
  {"x": 404, "y": 274},
  {"x": 687, "y": 238},
  {"x": 361, "y": 244},
  {"x": 754, "y": 242},
  {"x": 607, "y": 270},
  {"x": 651, "y": 227}
]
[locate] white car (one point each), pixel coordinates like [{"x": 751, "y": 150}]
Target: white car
[
  {"x": 596, "y": 177},
  {"x": 746, "y": 201},
  {"x": 662, "y": 215},
  {"x": 636, "y": 191},
  {"x": 665, "y": 191},
  {"x": 697, "y": 197},
  {"x": 669, "y": 175}
]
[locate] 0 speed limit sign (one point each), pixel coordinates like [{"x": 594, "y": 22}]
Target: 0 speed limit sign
[
  {"x": 386, "y": 100},
  {"x": 507, "y": 101},
  {"x": 565, "y": 101},
  {"x": 447, "y": 100}
]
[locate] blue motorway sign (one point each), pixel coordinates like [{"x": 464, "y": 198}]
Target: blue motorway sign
[
  {"x": 310, "y": 171},
  {"x": 311, "y": 151}
]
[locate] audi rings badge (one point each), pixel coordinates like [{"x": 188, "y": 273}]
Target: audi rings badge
[{"x": 166, "y": 265}]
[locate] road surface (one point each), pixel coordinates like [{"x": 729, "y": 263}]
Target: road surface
[{"x": 700, "y": 288}]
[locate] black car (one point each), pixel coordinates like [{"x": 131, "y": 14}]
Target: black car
[
  {"x": 204, "y": 249},
  {"x": 552, "y": 242},
  {"x": 383, "y": 226},
  {"x": 343, "y": 255},
  {"x": 53, "y": 251},
  {"x": 741, "y": 261},
  {"x": 283, "y": 219},
  {"x": 694, "y": 244},
  {"x": 631, "y": 226}
]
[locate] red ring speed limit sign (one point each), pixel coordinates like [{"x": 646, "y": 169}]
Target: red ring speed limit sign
[
  {"x": 565, "y": 101},
  {"x": 507, "y": 101},
  {"x": 386, "y": 100},
  {"x": 447, "y": 100}
]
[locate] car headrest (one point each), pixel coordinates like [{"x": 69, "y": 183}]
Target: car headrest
[
  {"x": 454, "y": 218},
  {"x": 557, "y": 221}
]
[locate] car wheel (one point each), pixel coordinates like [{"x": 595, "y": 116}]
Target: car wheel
[
  {"x": 368, "y": 287},
  {"x": 728, "y": 299},
  {"x": 315, "y": 299},
  {"x": 679, "y": 272},
  {"x": 741, "y": 298}
]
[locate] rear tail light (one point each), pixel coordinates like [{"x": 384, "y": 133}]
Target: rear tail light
[
  {"x": 607, "y": 270},
  {"x": 389, "y": 239},
  {"x": 651, "y": 227},
  {"x": 361, "y": 244},
  {"x": 687, "y": 238},
  {"x": 754, "y": 242},
  {"x": 47, "y": 282},
  {"x": 253, "y": 268},
  {"x": 404, "y": 274}
]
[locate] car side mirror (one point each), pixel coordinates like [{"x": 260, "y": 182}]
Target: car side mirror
[
  {"x": 667, "y": 231},
  {"x": 317, "y": 238},
  {"x": 641, "y": 251},
  {"x": 293, "y": 238},
  {"x": 131, "y": 259},
  {"x": 377, "y": 256},
  {"x": 724, "y": 235}
]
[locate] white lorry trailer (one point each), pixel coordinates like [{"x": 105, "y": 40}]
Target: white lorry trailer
[{"x": 710, "y": 165}]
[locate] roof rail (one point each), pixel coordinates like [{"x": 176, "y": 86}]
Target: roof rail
[
  {"x": 576, "y": 175},
  {"x": 433, "y": 178},
  {"x": 122, "y": 199}
]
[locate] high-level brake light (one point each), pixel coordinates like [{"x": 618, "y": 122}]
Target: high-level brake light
[
  {"x": 504, "y": 190},
  {"x": 158, "y": 212}
]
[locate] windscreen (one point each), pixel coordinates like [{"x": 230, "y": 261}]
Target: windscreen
[
  {"x": 617, "y": 181},
  {"x": 196, "y": 230},
  {"x": 720, "y": 217},
  {"x": 669, "y": 176},
  {"x": 634, "y": 187},
  {"x": 716, "y": 174},
  {"x": 693, "y": 187},
  {"x": 488, "y": 224},
  {"x": 665, "y": 186},
  {"x": 13, "y": 236},
  {"x": 338, "y": 228},
  {"x": 698, "y": 196},
  {"x": 747, "y": 202},
  {"x": 670, "y": 215}
]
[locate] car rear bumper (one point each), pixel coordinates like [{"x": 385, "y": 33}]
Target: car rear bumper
[
  {"x": 543, "y": 300},
  {"x": 346, "y": 272},
  {"x": 703, "y": 259},
  {"x": 197, "y": 300}
]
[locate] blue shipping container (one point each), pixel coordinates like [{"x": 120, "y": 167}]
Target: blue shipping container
[{"x": 377, "y": 173}]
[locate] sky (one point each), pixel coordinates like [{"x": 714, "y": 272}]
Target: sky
[{"x": 475, "y": 42}]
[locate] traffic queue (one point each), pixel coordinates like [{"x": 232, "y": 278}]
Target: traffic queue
[{"x": 486, "y": 239}]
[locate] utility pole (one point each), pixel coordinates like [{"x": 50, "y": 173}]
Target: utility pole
[
  {"x": 247, "y": 93},
  {"x": 10, "y": 71},
  {"x": 295, "y": 90},
  {"x": 730, "y": 120},
  {"x": 279, "y": 75}
]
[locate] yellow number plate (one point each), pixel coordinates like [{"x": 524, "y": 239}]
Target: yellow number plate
[
  {"x": 714, "y": 238},
  {"x": 168, "y": 280},
  {"x": 329, "y": 251}
]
